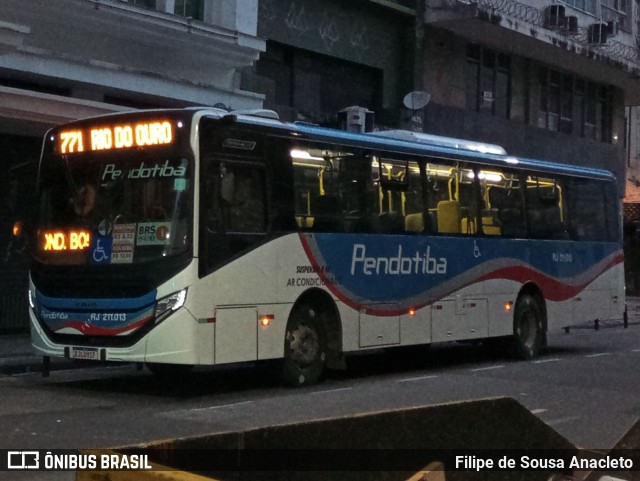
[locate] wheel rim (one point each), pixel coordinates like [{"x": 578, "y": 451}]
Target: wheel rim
[
  {"x": 528, "y": 329},
  {"x": 304, "y": 346}
]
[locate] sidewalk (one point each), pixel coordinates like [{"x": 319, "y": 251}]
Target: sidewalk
[{"x": 18, "y": 356}]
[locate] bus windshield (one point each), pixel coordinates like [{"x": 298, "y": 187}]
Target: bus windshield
[{"x": 114, "y": 208}]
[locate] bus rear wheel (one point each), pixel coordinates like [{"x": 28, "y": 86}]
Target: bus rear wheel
[
  {"x": 529, "y": 333},
  {"x": 304, "y": 347}
]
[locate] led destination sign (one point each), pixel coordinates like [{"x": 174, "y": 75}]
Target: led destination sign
[
  {"x": 58, "y": 240},
  {"x": 114, "y": 137}
]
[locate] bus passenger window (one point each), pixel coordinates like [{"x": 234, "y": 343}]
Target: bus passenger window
[
  {"x": 247, "y": 209},
  {"x": 544, "y": 208},
  {"x": 506, "y": 207},
  {"x": 236, "y": 199},
  {"x": 587, "y": 209}
]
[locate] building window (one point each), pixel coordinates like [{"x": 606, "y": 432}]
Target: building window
[
  {"x": 189, "y": 8},
  {"x": 185, "y": 8},
  {"x": 588, "y": 6},
  {"x": 572, "y": 105},
  {"x": 488, "y": 81},
  {"x": 305, "y": 85}
]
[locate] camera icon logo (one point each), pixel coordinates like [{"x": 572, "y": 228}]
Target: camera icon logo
[{"x": 23, "y": 460}]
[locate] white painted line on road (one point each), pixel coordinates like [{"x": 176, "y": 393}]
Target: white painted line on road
[
  {"x": 489, "y": 368},
  {"x": 566, "y": 419},
  {"x": 416, "y": 379},
  {"x": 636, "y": 350},
  {"x": 542, "y": 361},
  {"x": 600, "y": 354},
  {"x": 331, "y": 390},
  {"x": 220, "y": 406},
  {"x": 538, "y": 411}
]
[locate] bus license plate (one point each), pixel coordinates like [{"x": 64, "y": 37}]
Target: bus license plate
[{"x": 90, "y": 353}]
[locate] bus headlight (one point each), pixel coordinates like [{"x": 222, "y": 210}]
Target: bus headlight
[
  {"x": 169, "y": 304},
  {"x": 32, "y": 297},
  {"x": 31, "y": 303}
]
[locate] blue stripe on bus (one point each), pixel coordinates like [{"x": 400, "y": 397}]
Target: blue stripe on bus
[
  {"x": 416, "y": 270},
  {"x": 96, "y": 304}
]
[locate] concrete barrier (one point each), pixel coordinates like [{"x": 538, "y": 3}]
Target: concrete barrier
[
  {"x": 413, "y": 443},
  {"x": 628, "y": 447}
]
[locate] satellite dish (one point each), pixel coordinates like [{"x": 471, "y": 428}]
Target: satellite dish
[{"x": 416, "y": 100}]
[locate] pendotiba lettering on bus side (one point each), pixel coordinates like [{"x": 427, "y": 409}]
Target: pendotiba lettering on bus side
[{"x": 418, "y": 263}]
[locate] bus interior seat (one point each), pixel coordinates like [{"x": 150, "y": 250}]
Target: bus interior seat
[
  {"x": 490, "y": 227},
  {"x": 449, "y": 217},
  {"x": 328, "y": 212},
  {"x": 304, "y": 221},
  {"x": 390, "y": 222},
  {"x": 546, "y": 222},
  {"x": 512, "y": 223},
  {"x": 468, "y": 225},
  {"x": 490, "y": 222},
  {"x": 414, "y": 222}
]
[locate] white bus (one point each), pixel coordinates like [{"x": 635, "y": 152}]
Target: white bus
[{"x": 200, "y": 237}]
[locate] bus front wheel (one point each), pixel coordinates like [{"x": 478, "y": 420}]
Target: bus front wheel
[
  {"x": 304, "y": 347},
  {"x": 529, "y": 334}
]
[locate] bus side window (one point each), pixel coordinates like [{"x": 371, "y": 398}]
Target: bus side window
[
  {"x": 544, "y": 204},
  {"x": 507, "y": 206},
  {"x": 245, "y": 206},
  {"x": 587, "y": 210},
  {"x": 233, "y": 210}
]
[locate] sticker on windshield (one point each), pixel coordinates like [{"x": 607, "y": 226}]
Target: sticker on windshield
[
  {"x": 153, "y": 233},
  {"x": 101, "y": 250},
  {"x": 123, "y": 243},
  {"x": 180, "y": 185}
]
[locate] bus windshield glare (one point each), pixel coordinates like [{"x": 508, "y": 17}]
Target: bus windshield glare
[{"x": 120, "y": 207}]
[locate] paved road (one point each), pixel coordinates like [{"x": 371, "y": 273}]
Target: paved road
[{"x": 587, "y": 387}]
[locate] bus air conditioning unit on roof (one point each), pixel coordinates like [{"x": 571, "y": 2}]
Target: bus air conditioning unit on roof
[{"x": 356, "y": 119}]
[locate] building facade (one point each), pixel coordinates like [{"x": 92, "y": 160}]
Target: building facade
[
  {"x": 548, "y": 79},
  {"x": 326, "y": 55},
  {"x": 545, "y": 79},
  {"x": 66, "y": 59}
]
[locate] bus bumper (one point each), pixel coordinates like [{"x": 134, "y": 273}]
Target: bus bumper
[{"x": 173, "y": 341}]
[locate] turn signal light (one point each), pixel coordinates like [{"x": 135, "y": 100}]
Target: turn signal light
[
  {"x": 265, "y": 320},
  {"x": 17, "y": 229}
]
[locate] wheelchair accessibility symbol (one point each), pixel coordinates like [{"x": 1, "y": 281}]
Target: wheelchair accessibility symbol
[
  {"x": 101, "y": 251},
  {"x": 476, "y": 250}
]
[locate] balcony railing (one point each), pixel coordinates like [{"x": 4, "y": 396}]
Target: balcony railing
[{"x": 578, "y": 37}]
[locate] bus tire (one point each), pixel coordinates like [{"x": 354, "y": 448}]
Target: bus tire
[
  {"x": 304, "y": 347},
  {"x": 529, "y": 332}
]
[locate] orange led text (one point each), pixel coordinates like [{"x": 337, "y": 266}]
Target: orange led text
[
  {"x": 121, "y": 136},
  {"x": 66, "y": 241}
]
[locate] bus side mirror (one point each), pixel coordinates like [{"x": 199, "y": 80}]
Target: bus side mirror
[
  {"x": 18, "y": 230},
  {"x": 18, "y": 241}
]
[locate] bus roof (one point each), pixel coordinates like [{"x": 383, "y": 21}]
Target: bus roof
[
  {"x": 407, "y": 142},
  {"x": 398, "y": 141}
]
